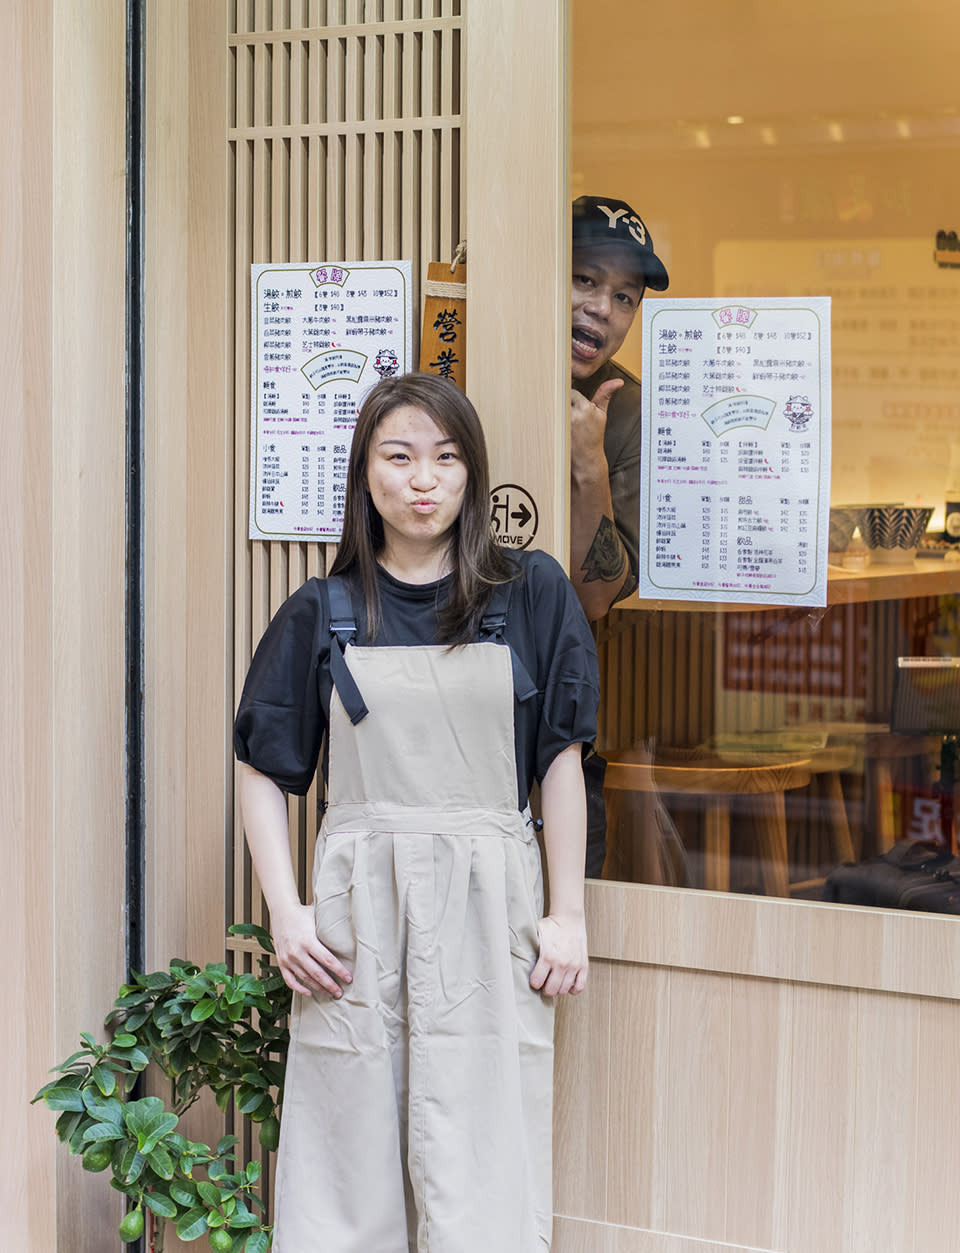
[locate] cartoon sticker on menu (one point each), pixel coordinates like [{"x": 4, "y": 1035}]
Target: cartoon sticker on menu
[
  {"x": 798, "y": 411},
  {"x": 736, "y": 464}
]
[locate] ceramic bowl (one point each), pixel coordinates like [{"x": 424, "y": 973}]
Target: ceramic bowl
[
  {"x": 893, "y": 532},
  {"x": 843, "y": 520}
]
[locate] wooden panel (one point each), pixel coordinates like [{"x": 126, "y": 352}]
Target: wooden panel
[
  {"x": 816, "y": 1058},
  {"x": 752, "y": 1114},
  {"x": 572, "y": 1235},
  {"x": 836, "y": 945},
  {"x": 27, "y": 1040},
  {"x": 518, "y": 248},
  {"x": 582, "y": 1095},
  {"x": 62, "y": 562}
]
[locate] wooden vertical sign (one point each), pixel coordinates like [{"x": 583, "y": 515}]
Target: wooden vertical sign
[{"x": 443, "y": 344}]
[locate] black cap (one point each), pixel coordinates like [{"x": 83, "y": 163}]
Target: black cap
[{"x": 601, "y": 220}]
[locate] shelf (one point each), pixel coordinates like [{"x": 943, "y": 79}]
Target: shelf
[{"x": 844, "y": 587}]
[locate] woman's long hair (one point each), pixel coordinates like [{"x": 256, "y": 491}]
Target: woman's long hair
[{"x": 478, "y": 563}]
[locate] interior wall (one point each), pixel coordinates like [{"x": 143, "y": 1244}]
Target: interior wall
[
  {"x": 775, "y": 151},
  {"x": 61, "y": 625}
]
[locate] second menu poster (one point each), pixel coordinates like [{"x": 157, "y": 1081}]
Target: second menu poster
[{"x": 735, "y": 491}]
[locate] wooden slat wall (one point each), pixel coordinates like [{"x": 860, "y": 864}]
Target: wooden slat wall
[{"x": 344, "y": 144}]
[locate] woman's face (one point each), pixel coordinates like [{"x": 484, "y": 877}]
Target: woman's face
[{"x": 416, "y": 476}]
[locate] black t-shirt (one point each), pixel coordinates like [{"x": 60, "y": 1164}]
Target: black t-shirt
[{"x": 285, "y": 706}]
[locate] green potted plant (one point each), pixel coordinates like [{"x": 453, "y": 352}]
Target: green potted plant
[{"x": 203, "y": 1029}]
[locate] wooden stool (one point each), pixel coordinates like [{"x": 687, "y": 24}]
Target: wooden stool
[
  {"x": 877, "y": 752},
  {"x": 763, "y": 776},
  {"x": 823, "y": 838}
]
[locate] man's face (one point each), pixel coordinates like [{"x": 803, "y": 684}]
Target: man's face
[{"x": 607, "y": 290}]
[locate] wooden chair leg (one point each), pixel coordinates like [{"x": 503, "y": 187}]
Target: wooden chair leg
[
  {"x": 716, "y": 844},
  {"x": 771, "y": 815},
  {"x": 840, "y": 841},
  {"x": 883, "y": 816}
]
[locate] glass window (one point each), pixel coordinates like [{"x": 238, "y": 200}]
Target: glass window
[{"x": 793, "y": 152}]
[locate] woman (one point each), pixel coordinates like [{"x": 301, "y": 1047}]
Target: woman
[{"x": 440, "y": 677}]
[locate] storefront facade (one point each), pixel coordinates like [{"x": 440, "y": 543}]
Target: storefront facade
[{"x": 747, "y": 1069}]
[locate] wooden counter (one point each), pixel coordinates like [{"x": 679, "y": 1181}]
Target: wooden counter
[{"x": 844, "y": 587}]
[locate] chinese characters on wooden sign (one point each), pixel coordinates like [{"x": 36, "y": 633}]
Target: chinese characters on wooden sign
[{"x": 443, "y": 344}]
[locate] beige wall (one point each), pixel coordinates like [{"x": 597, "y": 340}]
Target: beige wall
[
  {"x": 61, "y": 625},
  {"x": 189, "y": 484},
  {"x": 518, "y": 263}
]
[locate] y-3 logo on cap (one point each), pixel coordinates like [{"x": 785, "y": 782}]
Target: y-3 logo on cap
[{"x": 631, "y": 222}]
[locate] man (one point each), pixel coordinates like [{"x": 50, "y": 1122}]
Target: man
[{"x": 613, "y": 265}]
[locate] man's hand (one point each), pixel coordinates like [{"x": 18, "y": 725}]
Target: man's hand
[
  {"x": 588, "y": 422},
  {"x": 598, "y": 560}
]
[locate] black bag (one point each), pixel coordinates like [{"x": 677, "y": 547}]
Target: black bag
[{"x": 912, "y": 875}]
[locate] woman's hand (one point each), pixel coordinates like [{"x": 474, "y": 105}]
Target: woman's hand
[
  {"x": 562, "y": 964},
  {"x": 306, "y": 965}
]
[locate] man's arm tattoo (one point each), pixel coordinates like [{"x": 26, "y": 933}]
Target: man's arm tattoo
[{"x": 607, "y": 556}]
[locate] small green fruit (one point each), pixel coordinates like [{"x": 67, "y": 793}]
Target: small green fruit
[
  {"x": 270, "y": 1133},
  {"x": 221, "y": 1241},
  {"x": 132, "y": 1226},
  {"x": 98, "y": 1157}
]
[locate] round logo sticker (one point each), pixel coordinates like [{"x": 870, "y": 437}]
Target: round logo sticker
[{"x": 513, "y": 514}]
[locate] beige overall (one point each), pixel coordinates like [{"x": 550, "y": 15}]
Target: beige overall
[{"x": 417, "y": 1109}]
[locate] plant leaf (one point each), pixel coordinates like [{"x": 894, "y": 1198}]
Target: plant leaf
[
  {"x": 210, "y": 1193},
  {"x": 161, "y": 1161},
  {"x": 203, "y": 1009},
  {"x": 149, "y": 1121},
  {"x": 184, "y": 1193},
  {"x": 62, "y": 1097},
  {"x": 160, "y": 1204},
  {"x": 258, "y": 933},
  {"x": 192, "y": 1225},
  {"x": 104, "y": 1131},
  {"x": 105, "y": 1079},
  {"x": 257, "y": 1242}
]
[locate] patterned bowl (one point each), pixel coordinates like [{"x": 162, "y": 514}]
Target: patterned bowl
[
  {"x": 844, "y": 519},
  {"x": 892, "y": 532}
]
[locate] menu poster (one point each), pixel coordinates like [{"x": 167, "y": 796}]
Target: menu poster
[
  {"x": 323, "y": 335},
  {"x": 735, "y": 477}
]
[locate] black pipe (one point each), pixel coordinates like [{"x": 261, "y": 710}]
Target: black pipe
[
  {"x": 134, "y": 800},
  {"x": 135, "y": 762}
]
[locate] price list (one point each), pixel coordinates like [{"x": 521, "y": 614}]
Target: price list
[
  {"x": 323, "y": 335},
  {"x": 735, "y": 486}
]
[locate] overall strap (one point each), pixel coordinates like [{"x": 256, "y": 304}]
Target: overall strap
[
  {"x": 343, "y": 627},
  {"x": 491, "y": 627}
]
